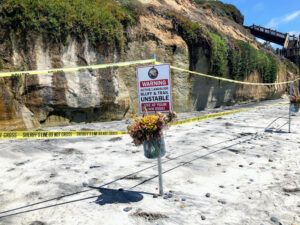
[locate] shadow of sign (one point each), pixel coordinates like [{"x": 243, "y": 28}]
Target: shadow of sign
[{"x": 111, "y": 196}]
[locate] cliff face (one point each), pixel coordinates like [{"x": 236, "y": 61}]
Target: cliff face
[{"x": 93, "y": 95}]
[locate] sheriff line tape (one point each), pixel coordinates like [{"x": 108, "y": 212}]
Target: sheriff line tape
[
  {"x": 5, "y": 135},
  {"x": 72, "y": 69},
  {"x": 55, "y": 134},
  {"x": 230, "y": 80},
  {"x": 10, "y": 135},
  {"x": 130, "y": 63},
  {"x": 208, "y": 116}
]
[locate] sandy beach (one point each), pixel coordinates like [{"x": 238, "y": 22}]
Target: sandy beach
[{"x": 225, "y": 171}]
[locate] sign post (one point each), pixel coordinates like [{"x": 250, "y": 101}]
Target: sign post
[{"x": 154, "y": 93}]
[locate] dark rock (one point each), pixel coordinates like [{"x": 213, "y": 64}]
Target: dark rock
[
  {"x": 228, "y": 124},
  {"x": 241, "y": 166},
  {"x": 207, "y": 195},
  {"x": 234, "y": 150},
  {"x": 165, "y": 197},
  {"x": 149, "y": 216},
  {"x": 42, "y": 182},
  {"x": 274, "y": 219},
  {"x": 84, "y": 184},
  {"x": 115, "y": 139},
  {"x": 183, "y": 199},
  {"x": 222, "y": 201},
  {"x": 93, "y": 167},
  {"x": 218, "y": 164},
  {"x": 221, "y": 186},
  {"x": 69, "y": 151},
  {"x": 237, "y": 187},
  {"x": 170, "y": 195},
  {"x": 133, "y": 177},
  {"x": 203, "y": 217},
  {"x": 258, "y": 156},
  {"x": 270, "y": 160},
  {"x": 38, "y": 223},
  {"x": 22, "y": 163},
  {"x": 127, "y": 209},
  {"x": 251, "y": 163},
  {"x": 155, "y": 196}
]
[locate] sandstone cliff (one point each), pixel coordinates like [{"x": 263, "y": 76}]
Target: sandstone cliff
[{"x": 177, "y": 31}]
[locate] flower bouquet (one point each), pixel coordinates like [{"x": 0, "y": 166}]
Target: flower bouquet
[{"x": 148, "y": 130}]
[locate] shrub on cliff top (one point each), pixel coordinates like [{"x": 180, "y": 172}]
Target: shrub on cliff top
[
  {"x": 189, "y": 30},
  {"x": 102, "y": 20},
  {"x": 222, "y": 9}
]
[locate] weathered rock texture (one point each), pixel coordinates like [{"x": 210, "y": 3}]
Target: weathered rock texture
[{"x": 94, "y": 95}]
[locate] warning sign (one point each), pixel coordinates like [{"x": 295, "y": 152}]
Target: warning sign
[{"x": 154, "y": 88}]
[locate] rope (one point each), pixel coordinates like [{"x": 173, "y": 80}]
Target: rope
[{"x": 230, "y": 80}]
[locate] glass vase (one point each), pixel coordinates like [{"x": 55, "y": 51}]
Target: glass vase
[
  {"x": 295, "y": 107},
  {"x": 154, "y": 148}
]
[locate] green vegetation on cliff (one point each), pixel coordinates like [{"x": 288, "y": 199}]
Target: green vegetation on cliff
[
  {"x": 103, "y": 21},
  {"x": 222, "y": 9},
  {"x": 228, "y": 58},
  {"x": 219, "y": 55},
  {"x": 245, "y": 59},
  {"x": 189, "y": 30}
]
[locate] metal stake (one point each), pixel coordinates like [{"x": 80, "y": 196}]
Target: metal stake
[
  {"x": 160, "y": 180},
  {"x": 290, "y": 107}
]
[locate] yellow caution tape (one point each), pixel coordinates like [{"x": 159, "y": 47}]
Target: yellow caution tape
[
  {"x": 72, "y": 69},
  {"x": 209, "y": 116},
  {"x": 130, "y": 63},
  {"x": 5, "y": 135},
  {"x": 230, "y": 80},
  {"x": 9, "y": 135},
  {"x": 55, "y": 134}
]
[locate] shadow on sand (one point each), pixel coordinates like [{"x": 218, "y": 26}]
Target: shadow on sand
[{"x": 111, "y": 196}]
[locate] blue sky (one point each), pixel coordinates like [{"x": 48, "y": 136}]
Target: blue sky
[{"x": 282, "y": 15}]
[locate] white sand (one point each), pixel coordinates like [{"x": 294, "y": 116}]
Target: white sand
[{"x": 252, "y": 165}]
